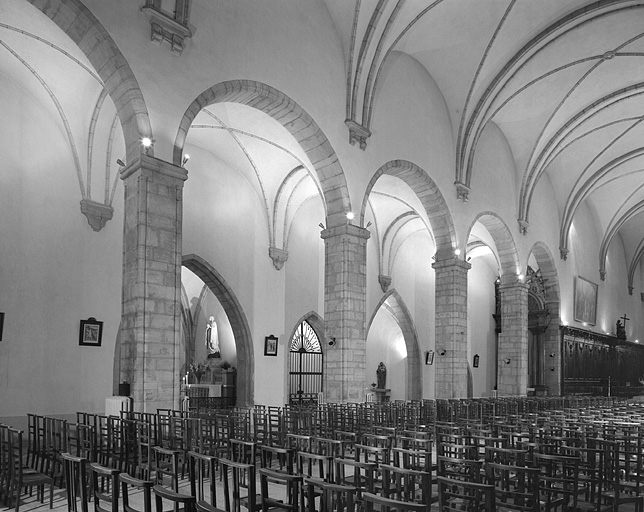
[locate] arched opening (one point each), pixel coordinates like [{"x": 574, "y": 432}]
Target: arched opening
[
  {"x": 306, "y": 363},
  {"x": 392, "y": 339},
  {"x": 238, "y": 328}
]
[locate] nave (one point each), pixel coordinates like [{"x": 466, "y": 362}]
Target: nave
[{"x": 573, "y": 453}]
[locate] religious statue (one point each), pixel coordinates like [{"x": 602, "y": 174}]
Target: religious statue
[
  {"x": 212, "y": 339},
  {"x": 381, "y": 375},
  {"x": 620, "y": 330}
]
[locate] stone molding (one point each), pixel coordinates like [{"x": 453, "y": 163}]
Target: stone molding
[
  {"x": 279, "y": 257},
  {"x": 149, "y": 164},
  {"x": 358, "y": 134},
  {"x": 385, "y": 282},
  {"x": 164, "y": 28},
  {"x": 346, "y": 230}
]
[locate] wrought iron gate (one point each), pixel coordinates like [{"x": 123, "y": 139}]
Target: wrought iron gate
[{"x": 305, "y": 374}]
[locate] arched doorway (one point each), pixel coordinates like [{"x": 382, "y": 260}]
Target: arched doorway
[{"x": 306, "y": 364}]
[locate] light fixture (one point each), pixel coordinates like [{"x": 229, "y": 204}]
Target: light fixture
[
  {"x": 332, "y": 342},
  {"x": 368, "y": 224},
  {"x": 520, "y": 277},
  {"x": 552, "y": 354},
  {"x": 350, "y": 215},
  {"x": 120, "y": 162},
  {"x": 147, "y": 143},
  {"x": 457, "y": 252},
  {"x": 321, "y": 225},
  {"x": 507, "y": 360},
  {"x": 442, "y": 352},
  {"x": 186, "y": 157}
]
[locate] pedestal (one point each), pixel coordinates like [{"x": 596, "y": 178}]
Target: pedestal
[{"x": 382, "y": 395}]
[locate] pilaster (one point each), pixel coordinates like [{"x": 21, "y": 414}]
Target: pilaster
[
  {"x": 150, "y": 319},
  {"x": 345, "y": 312},
  {"x": 512, "y": 378},
  {"x": 451, "y": 328}
]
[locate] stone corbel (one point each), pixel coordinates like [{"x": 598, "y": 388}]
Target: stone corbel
[
  {"x": 97, "y": 213},
  {"x": 602, "y": 275},
  {"x": 385, "y": 282},
  {"x": 358, "y": 134},
  {"x": 523, "y": 226},
  {"x": 630, "y": 290},
  {"x": 164, "y": 28},
  {"x": 279, "y": 257},
  {"x": 462, "y": 191},
  {"x": 563, "y": 252}
]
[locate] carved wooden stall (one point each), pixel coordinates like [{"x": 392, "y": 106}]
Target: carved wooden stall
[{"x": 600, "y": 364}]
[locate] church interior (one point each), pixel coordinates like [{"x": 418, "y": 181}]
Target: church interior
[
  {"x": 452, "y": 189},
  {"x": 240, "y": 235}
]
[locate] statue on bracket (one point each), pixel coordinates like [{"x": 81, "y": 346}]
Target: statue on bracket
[
  {"x": 212, "y": 339},
  {"x": 381, "y": 375},
  {"x": 620, "y": 330}
]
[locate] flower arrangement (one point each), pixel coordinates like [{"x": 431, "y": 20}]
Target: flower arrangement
[
  {"x": 198, "y": 370},
  {"x": 225, "y": 365}
]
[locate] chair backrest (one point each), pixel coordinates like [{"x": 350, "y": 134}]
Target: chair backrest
[
  {"x": 281, "y": 491},
  {"x": 313, "y": 465},
  {"x": 202, "y": 470},
  {"x": 333, "y": 497},
  {"x": 407, "y": 485},
  {"x": 361, "y": 475},
  {"x": 559, "y": 479},
  {"x": 106, "y": 497},
  {"x": 202, "y": 506},
  {"x": 145, "y": 486},
  {"x": 459, "y": 469},
  {"x": 516, "y": 487},
  {"x": 183, "y": 502},
  {"x": 237, "y": 476},
  {"x": 388, "y": 504},
  {"x": 274, "y": 457},
  {"x": 75, "y": 482},
  {"x": 464, "y": 495}
]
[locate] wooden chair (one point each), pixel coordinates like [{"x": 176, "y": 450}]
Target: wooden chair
[
  {"x": 407, "y": 485},
  {"x": 144, "y": 486},
  {"x": 280, "y": 459},
  {"x": 333, "y": 497},
  {"x": 463, "y": 495},
  {"x": 280, "y": 491},
  {"x": 165, "y": 463},
  {"x": 313, "y": 465},
  {"x": 106, "y": 497},
  {"x": 559, "y": 482},
  {"x": 237, "y": 478},
  {"x": 202, "y": 471},
  {"x": 75, "y": 469},
  {"x": 181, "y": 502},
  {"x": 516, "y": 487},
  {"x": 386, "y": 504},
  {"x": 18, "y": 476},
  {"x": 460, "y": 469},
  {"x": 202, "y": 506}
]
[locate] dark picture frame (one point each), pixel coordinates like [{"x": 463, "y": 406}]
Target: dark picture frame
[
  {"x": 585, "y": 310},
  {"x": 475, "y": 361},
  {"x": 270, "y": 345},
  {"x": 1, "y": 325},
  {"x": 429, "y": 357},
  {"x": 91, "y": 332}
]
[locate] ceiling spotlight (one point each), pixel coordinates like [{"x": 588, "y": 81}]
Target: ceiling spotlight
[
  {"x": 457, "y": 252},
  {"x": 186, "y": 157},
  {"x": 520, "y": 277},
  {"x": 350, "y": 215},
  {"x": 120, "y": 162}
]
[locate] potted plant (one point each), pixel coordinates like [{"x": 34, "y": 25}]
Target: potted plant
[{"x": 227, "y": 373}]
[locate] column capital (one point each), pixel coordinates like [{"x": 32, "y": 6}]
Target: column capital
[
  {"x": 150, "y": 166},
  {"x": 514, "y": 285},
  {"x": 451, "y": 262},
  {"x": 348, "y": 230}
]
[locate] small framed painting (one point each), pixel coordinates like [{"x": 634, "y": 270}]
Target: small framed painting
[
  {"x": 91, "y": 332},
  {"x": 429, "y": 357},
  {"x": 1, "y": 324},
  {"x": 270, "y": 345}
]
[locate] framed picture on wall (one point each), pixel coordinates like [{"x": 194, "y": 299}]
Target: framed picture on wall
[
  {"x": 585, "y": 301},
  {"x": 270, "y": 345},
  {"x": 429, "y": 357},
  {"x": 1, "y": 324},
  {"x": 91, "y": 332}
]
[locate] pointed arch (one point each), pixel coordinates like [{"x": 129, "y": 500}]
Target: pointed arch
[
  {"x": 394, "y": 304},
  {"x": 505, "y": 246},
  {"x": 296, "y": 120},
  {"x": 438, "y": 214},
  {"x": 82, "y": 27},
  {"x": 639, "y": 252},
  {"x": 615, "y": 225},
  {"x": 241, "y": 330}
]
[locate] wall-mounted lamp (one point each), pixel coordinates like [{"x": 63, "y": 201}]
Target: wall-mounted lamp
[
  {"x": 457, "y": 252},
  {"x": 429, "y": 357},
  {"x": 120, "y": 162},
  {"x": 321, "y": 225},
  {"x": 442, "y": 352},
  {"x": 350, "y": 215},
  {"x": 507, "y": 360},
  {"x": 552, "y": 369},
  {"x": 368, "y": 224},
  {"x": 331, "y": 342},
  {"x": 147, "y": 143},
  {"x": 185, "y": 160},
  {"x": 469, "y": 258},
  {"x": 475, "y": 362},
  {"x": 552, "y": 354}
]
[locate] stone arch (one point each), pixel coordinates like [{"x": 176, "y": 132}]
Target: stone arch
[
  {"x": 551, "y": 337},
  {"x": 82, "y": 27},
  {"x": 296, "y": 120},
  {"x": 238, "y": 322},
  {"x": 506, "y": 250},
  {"x": 431, "y": 198},
  {"x": 394, "y": 303}
]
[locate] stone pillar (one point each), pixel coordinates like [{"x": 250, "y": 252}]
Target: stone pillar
[
  {"x": 451, "y": 328},
  {"x": 151, "y": 311},
  {"x": 513, "y": 340},
  {"x": 345, "y": 287}
]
